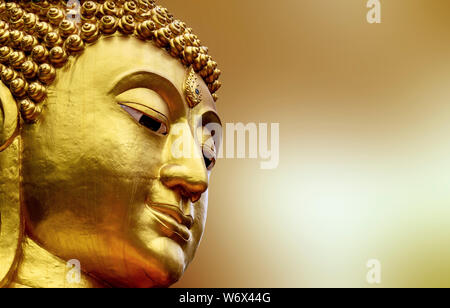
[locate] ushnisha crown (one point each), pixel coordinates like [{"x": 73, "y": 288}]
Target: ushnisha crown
[{"x": 37, "y": 37}]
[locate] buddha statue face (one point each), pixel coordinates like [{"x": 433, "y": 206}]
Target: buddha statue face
[
  {"x": 101, "y": 183},
  {"x": 102, "y": 180}
]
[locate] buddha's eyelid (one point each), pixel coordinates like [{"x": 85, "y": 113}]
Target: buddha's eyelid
[
  {"x": 145, "y": 99},
  {"x": 131, "y": 104}
]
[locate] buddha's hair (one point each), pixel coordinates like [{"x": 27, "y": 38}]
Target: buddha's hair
[{"x": 37, "y": 37}]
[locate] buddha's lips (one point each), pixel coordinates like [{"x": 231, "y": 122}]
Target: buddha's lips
[{"x": 172, "y": 218}]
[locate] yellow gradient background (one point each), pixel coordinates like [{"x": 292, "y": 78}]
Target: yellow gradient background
[{"x": 364, "y": 113}]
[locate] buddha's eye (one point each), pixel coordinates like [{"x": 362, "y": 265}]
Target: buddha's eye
[
  {"x": 151, "y": 122},
  {"x": 209, "y": 154}
]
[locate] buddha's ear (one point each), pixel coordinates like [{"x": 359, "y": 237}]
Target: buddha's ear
[
  {"x": 11, "y": 225},
  {"x": 9, "y": 117}
]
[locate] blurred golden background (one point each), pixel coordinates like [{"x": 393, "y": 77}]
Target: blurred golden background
[{"x": 364, "y": 113}]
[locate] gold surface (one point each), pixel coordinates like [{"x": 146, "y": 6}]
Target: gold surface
[
  {"x": 96, "y": 172},
  {"x": 10, "y": 222}
]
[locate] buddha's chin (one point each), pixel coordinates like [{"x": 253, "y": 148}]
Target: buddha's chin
[
  {"x": 159, "y": 263},
  {"x": 168, "y": 262}
]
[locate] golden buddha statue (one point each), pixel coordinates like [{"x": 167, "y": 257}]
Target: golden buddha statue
[{"x": 88, "y": 107}]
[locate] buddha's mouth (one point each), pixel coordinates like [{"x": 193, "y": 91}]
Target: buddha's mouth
[{"x": 172, "y": 219}]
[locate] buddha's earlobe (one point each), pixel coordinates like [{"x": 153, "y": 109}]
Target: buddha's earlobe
[{"x": 9, "y": 117}]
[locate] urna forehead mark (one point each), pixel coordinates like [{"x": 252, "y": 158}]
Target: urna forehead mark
[
  {"x": 38, "y": 37},
  {"x": 191, "y": 89}
]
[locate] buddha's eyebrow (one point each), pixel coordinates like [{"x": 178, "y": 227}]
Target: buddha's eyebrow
[{"x": 145, "y": 79}]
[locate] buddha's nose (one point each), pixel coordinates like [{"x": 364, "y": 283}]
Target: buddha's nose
[
  {"x": 186, "y": 174},
  {"x": 189, "y": 179}
]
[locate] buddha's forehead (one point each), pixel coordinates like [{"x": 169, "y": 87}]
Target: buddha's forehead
[
  {"x": 114, "y": 57},
  {"x": 118, "y": 58}
]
